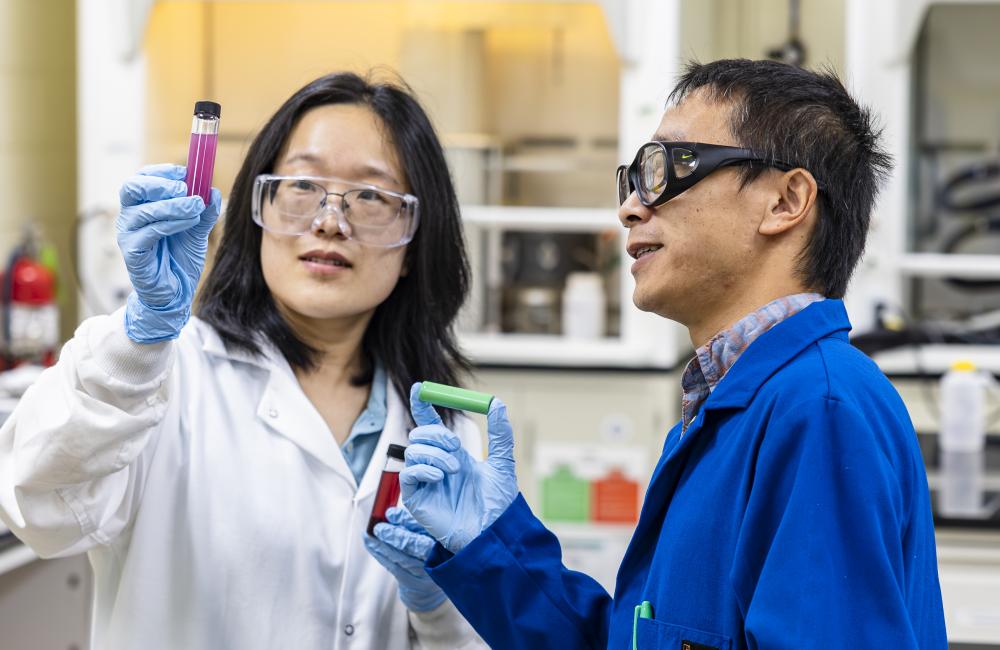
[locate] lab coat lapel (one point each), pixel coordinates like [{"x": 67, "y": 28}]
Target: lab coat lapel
[
  {"x": 397, "y": 430},
  {"x": 658, "y": 496},
  {"x": 286, "y": 410}
]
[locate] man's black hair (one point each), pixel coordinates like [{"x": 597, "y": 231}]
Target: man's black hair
[
  {"x": 806, "y": 118},
  {"x": 411, "y": 332}
]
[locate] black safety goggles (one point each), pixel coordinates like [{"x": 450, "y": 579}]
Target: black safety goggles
[{"x": 662, "y": 170}]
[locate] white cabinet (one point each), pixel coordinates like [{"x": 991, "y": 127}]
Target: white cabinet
[
  {"x": 969, "y": 570},
  {"x": 638, "y": 340},
  {"x": 44, "y": 604}
]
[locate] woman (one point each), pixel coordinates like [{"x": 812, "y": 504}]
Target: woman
[{"x": 220, "y": 472}]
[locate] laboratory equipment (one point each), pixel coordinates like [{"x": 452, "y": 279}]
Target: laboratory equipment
[
  {"x": 533, "y": 269},
  {"x": 962, "y": 439},
  {"x": 387, "y": 494},
  {"x": 201, "y": 151},
  {"x": 953, "y": 247},
  {"x": 615, "y": 498},
  {"x": 509, "y": 322},
  {"x": 962, "y": 405},
  {"x": 30, "y": 315},
  {"x": 98, "y": 264},
  {"x": 455, "y": 398},
  {"x": 793, "y": 51},
  {"x": 565, "y": 496},
  {"x": 583, "y": 306}
]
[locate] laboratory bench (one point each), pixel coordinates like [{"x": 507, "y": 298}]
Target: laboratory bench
[
  {"x": 13, "y": 554},
  {"x": 43, "y": 604},
  {"x": 968, "y": 545},
  {"x": 986, "y": 516}
]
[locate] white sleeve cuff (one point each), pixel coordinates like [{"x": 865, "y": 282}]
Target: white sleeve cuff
[
  {"x": 444, "y": 628},
  {"x": 121, "y": 358}
]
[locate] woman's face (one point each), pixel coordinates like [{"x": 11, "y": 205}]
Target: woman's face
[{"x": 321, "y": 275}]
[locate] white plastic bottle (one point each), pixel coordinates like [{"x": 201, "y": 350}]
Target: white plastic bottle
[
  {"x": 963, "y": 408},
  {"x": 583, "y": 306},
  {"x": 962, "y": 438}
]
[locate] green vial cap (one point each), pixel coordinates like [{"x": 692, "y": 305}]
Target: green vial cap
[{"x": 455, "y": 398}]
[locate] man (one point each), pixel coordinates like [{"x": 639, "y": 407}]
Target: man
[{"x": 790, "y": 507}]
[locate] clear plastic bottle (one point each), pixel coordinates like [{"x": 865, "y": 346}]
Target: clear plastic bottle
[
  {"x": 201, "y": 150},
  {"x": 387, "y": 494}
]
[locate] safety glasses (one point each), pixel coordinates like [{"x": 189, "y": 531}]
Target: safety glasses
[
  {"x": 370, "y": 215},
  {"x": 662, "y": 170}
]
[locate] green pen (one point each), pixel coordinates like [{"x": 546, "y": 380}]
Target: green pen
[
  {"x": 645, "y": 610},
  {"x": 455, "y": 398}
]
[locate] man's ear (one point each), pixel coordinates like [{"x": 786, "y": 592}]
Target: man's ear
[{"x": 793, "y": 202}]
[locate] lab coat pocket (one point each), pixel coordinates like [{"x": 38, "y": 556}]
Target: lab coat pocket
[{"x": 651, "y": 634}]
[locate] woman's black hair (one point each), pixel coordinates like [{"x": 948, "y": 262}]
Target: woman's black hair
[{"x": 411, "y": 333}]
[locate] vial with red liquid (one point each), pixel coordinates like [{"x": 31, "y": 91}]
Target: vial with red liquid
[
  {"x": 388, "y": 487},
  {"x": 201, "y": 151}
]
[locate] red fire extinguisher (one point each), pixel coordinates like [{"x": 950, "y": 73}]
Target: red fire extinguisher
[{"x": 30, "y": 314}]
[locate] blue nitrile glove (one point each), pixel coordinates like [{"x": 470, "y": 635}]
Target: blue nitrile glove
[
  {"x": 402, "y": 547},
  {"x": 163, "y": 236},
  {"x": 453, "y": 495}
]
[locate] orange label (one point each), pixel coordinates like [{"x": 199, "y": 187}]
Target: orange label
[{"x": 615, "y": 499}]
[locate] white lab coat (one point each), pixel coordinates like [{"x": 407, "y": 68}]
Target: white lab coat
[{"x": 212, "y": 499}]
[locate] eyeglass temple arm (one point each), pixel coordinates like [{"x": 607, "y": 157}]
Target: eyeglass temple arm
[{"x": 777, "y": 164}]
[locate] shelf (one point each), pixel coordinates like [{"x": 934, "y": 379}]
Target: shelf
[
  {"x": 947, "y": 265},
  {"x": 548, "y": 219},
  {"x": 646, "y": 341},
  {"x": 15, "y": 557},
  {"x": 936, "y": 359},
  {"x": 554, "y": 350},
  {"x": 567, "y": 162}
]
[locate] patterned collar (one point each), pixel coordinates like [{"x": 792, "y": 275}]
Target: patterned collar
[{"x": 713, "y": 360}]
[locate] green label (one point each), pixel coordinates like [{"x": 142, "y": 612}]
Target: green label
[{"x": 565, "y": 496}]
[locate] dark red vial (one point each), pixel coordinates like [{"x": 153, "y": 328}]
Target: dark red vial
[{"x": 388, "y": 487}]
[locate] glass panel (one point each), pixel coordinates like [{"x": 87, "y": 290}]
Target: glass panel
[
  {"x": 685, "y": 162},
  {"x": 623, "y": 188},
  {"x": 290, "y": 205},
  {"x": 652, "y": 171}
]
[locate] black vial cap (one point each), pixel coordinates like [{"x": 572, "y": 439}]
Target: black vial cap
[
  {"x": 207, "y": 108},
  {"x": 395, "y": 451}
]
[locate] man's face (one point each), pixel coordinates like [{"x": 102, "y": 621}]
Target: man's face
[{"x": 704, "y": 239}]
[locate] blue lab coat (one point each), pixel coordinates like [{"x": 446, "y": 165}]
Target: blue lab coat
[{"x": 793, "y": 513}]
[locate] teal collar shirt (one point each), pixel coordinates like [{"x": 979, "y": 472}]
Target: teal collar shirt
[{"x": 361, "y": 443}]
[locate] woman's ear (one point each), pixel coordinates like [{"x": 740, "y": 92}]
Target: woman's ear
[{"x": 794, "y": 199}]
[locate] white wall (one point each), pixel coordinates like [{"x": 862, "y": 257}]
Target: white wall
[{"x": 38, "y": 131}]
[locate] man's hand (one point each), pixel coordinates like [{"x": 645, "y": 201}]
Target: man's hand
[{"x": 450, "y": 493}]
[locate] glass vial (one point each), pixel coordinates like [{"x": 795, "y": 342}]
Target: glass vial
[
  {"x": 388, "y": 487},
  {"x": 201, "y": 151}
]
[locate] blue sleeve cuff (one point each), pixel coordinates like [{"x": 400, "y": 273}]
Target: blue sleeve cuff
[
  {"x": 510, "y": 584},
  {"x": 446, "y": 565}
]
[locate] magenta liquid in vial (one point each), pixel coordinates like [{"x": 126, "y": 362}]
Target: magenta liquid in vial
[{"x": 201, "y": 152}]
